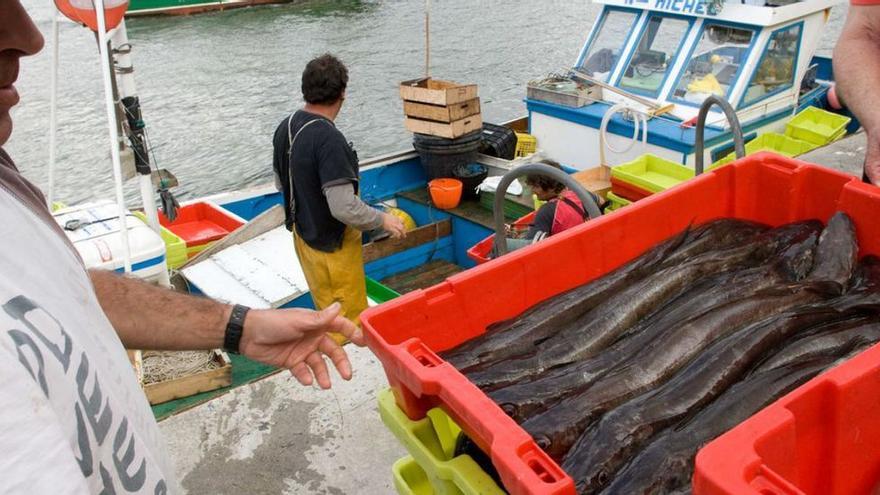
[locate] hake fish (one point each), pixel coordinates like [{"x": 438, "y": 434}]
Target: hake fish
[
  {"x": 556, "y": 429},
  {"x": 519, "y": 335},
  {"x": 523, "y": 399},
  {"x": 600, "y": 327}
]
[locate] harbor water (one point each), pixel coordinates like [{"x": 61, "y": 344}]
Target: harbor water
[{"x": 214, "y": 86}]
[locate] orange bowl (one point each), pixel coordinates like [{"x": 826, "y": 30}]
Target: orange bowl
[{"x": 445, "y": 193}]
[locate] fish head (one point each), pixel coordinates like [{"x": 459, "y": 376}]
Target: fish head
[{"x": 836, "y": 251}]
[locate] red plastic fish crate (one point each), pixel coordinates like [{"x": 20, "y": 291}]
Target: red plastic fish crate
[
  {"x": 201, "y": 223},
  {"x": 820, "y": 438},
  {"x": 480, "y": 251},
  {"x": 407, "y": 333}
]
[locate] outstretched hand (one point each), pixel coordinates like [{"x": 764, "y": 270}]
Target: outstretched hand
[{"x": 297, "y": 339}]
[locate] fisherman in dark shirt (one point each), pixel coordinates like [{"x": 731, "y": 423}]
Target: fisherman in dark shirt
[{"x": 316, "y": 169}]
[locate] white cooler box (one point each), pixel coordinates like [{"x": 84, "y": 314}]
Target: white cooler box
[{"x": 98, "y": 239}]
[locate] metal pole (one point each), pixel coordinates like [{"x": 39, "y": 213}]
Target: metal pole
[
  {"x": 53, "y": 112},
  {"x": 103, "y": 48}
]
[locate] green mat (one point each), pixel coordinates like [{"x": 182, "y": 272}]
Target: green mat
[{"x": 245, "y": 371}]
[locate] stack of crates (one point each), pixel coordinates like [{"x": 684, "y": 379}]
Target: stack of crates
[
  {"x": 441, "y": 108},
  {"x": 432, "y": 467},
  {"x": 646, "y": 175},
  {"x": 201, "y": 224}
]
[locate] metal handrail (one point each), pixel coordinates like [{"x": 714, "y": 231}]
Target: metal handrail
[
  {"x": 587, "y": 200},
  {"x": 735, "y": 129}
]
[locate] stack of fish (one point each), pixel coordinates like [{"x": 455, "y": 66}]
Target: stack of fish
[{"x": 625, "y": 378}]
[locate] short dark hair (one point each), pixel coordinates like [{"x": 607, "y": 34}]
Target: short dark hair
[
  {"x": 545, "y": 182},
  {"x": 324, "y": 80}
]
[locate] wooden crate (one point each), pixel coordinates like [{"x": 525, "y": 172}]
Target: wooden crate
[
  {"x": 185, "y": 386},
  {"x": 437, "y": 92},
  {"x": 449, "y": 130},
  {"x": 439, "y": 113},
  {"x": 596, "y": 180}
]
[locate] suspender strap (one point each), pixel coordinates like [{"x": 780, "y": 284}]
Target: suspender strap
[
  {"x": 292, "y": 139},
  {"x": 577, "y": 208}
]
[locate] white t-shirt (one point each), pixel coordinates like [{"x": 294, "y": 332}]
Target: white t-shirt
[{"x": 73, "y": 418}]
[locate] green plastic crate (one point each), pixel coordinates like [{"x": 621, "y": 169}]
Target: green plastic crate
[
  {"x": 817, "y": 126},
  {"x": 431, "y": 445},
  {"x": 175, "y": 247},
  {"x": 512, "y": 209},
  {"x": 410, "y": 478},
  {"x": 777, "y": 143},
  {"x": 616, "y": 201},
  {"x": 652, "y": 173}
]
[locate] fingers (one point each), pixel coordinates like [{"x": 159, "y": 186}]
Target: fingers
[
  {"x": 337, "y": 356},
  {"x": 302, "y": 373},
  {"x": 319, "y": 368}
]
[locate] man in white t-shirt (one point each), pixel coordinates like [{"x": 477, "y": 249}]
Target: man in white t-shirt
[{"x": 72, "y": 416}]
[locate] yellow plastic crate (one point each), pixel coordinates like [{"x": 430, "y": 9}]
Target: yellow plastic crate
[
  {"x": 652, "y": 173},
  {"x": 616, "y": 201},
  {"x": 192, "y": 251},
  {"x": 817, "y": 126},
  {"x": 526, "y": 144},
  {"x": 175, "y": 248},
  {"x": 431, "y": 445},
  {"x": 771, "y": 141}
]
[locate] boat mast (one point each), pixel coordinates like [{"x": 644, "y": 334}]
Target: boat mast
[
  {"x": 53, "y": 112},
  {"x": 103, "y": 48}
]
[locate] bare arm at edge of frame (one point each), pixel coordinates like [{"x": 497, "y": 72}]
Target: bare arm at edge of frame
[
  {"x": 149, "y": 317},
  {"x": 857, "y": 71}
]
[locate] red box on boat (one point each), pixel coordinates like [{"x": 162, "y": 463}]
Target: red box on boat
[
  {"x": 200, "y": 223},
  {"x": 480, "y": 251},
  {"x": 820, "y": 438},
  {"x": 407, "y": 333},
  {"x": 628, "y": 191}
]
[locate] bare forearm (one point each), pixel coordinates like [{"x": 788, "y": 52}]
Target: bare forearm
[
  {"x": 857, "y": 65},
  {"x": 150, "y": 317}
]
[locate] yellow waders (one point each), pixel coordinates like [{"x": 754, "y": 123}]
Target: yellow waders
[{"x": 336, "y": 277}]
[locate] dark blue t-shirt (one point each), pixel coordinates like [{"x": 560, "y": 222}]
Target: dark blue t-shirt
[{"x": 320, "y": 158}]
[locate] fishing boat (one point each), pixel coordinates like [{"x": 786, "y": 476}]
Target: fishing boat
[
  {"x": 186, "y": 7},
  {"x": 643, "y": 78}
]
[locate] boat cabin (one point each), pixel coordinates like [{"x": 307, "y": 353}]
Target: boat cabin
[{"x": 673, "y": 54}]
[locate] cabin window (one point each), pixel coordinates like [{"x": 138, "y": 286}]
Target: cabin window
[
  {"x": 715, "y": 65},
  {"x": 654, "y": 55},
  {"x": 607, "y": 44},
  {"x": 775, "y": 72}
]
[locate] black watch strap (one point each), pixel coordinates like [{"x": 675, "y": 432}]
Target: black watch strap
[{"x": 234, "y": 328}]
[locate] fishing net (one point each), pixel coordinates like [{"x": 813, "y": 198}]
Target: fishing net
[{"x": 160, "y": 366}]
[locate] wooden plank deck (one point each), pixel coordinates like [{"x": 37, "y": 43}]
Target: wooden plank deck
[
  {"x": 469, "y": 210},
  {"x": 431, "y": 273}
]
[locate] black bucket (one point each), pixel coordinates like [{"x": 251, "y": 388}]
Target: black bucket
[
  {"x": 440, "y": 156},
  {"x": 471, "y": 175}
]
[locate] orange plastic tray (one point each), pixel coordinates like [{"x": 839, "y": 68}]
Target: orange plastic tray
[
  {"x": 201, "y": 223},
  {"x": 407, "y": 333},
  {"x": 820, "y": 438},
  {"x": 480, "y": 251}
]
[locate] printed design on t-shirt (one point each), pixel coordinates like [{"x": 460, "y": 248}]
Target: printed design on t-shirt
[{"x": 38, "y": 348}]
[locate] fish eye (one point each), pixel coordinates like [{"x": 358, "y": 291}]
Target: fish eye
[
  {"x": 509, "y": 409},
  {"x": 543, "y": 442},
  {"x": 602, "y": 477}
]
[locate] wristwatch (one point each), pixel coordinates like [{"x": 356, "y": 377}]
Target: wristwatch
[{"x": 234, "y": 328}]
